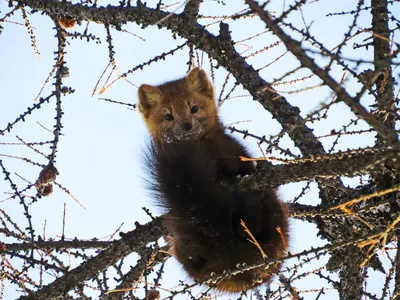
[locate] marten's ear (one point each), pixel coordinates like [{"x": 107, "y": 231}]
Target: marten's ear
[
  {"x": 197, "y": 81},
  {"x": 148, "y": 96}
]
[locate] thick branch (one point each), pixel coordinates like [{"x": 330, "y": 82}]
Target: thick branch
[
  {"x": 382, "y": 58},
  {"x": 132, "y": 241},
  {"x": 351, "y": 275},
  {"x": 350, "y": 163},
  {"x": 295, "y": 48},
  {"x": 220, "y": 48},
  {"x": 192, "y": 9}
]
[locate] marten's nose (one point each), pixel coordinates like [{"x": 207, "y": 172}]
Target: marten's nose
[{"x": 186, "y": 126}]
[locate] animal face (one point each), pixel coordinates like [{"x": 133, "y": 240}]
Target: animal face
[{"x": 180, "y": 109}]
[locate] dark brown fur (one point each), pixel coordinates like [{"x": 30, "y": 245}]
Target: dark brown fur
[{"x": 189, "y": 160}]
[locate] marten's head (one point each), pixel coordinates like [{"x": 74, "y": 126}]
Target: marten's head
[{"x": 179, "y": 109}]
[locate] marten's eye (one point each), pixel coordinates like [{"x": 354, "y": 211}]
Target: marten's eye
[
  {"x": 194, "y": 109},
  {"x": 169, "y": 117}
]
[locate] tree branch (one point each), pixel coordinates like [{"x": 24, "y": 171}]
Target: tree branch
[
  {"x": 295, "y": 48},
  {"x": 220, "y": 48},
  {"x": 349, "y": 163},
  {"x": 56, "y": 245},
  {"x": 382, "y": 59},
  {"x": 130, "y": 242},
  {"x": 351, "y": 275}
]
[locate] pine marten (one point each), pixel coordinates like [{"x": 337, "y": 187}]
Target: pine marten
[{"x": 191, "y": 162}]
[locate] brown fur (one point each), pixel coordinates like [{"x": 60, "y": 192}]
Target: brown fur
[
  {"x": 200, "y": 253},
  {"x": 177, "y": 98}
]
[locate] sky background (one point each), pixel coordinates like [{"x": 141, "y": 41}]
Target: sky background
[{"x": 99, "y": 153}]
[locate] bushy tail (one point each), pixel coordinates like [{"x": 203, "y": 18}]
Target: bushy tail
[
  {"x": 204, "y": 216},
  {"x": 184, "y": 180}
]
